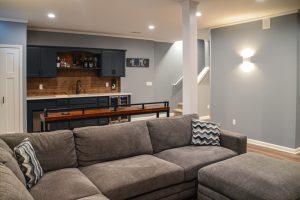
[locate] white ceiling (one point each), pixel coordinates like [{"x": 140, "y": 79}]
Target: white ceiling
[{"x": 123, "y": 17}]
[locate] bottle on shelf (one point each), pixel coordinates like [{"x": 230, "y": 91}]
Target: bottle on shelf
[
  {"x": 58, "y": 62},
  {"x": 86, "y": 64},
  {"x": 95, "y": 62},
  {"x": 91, "y": 64}
]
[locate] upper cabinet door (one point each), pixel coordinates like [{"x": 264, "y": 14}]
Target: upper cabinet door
[
  {"x": 41, "y": 62},
  {"x": 113, "y": 63},
  {"x": 106, "y": 63},
  {"x": 48, "y": 62},
  {"x": 119, "y": 63},
  {"x": 33, "y": 61}
]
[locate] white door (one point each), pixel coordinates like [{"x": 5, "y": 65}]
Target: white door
[{"x": 10, "y": 77}]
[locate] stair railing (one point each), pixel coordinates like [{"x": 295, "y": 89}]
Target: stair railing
[{"x": 200, "y": 77}]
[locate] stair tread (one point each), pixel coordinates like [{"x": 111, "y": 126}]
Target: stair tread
[{"x": 177, "y": 110}]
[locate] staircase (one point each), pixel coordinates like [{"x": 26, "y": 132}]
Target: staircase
[{"x": 178, "y": 111}]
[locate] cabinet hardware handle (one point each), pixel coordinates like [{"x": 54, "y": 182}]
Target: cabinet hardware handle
[{"x": 3, "y": 100}]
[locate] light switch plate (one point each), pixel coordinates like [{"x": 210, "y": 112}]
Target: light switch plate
[
  {"x": 149, "y": 83},
  {"x": 107, "y": 84},
  {"x": 41, "y": 87},
  {"x": 266, "y": 23}
]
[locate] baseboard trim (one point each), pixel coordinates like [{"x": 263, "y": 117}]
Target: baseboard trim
[
  {"x": 274, "y": 146},
  {"x": 204, "y": 118}
]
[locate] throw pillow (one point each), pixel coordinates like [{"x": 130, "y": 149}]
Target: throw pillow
[
  {"x": 205, "y": 133},
  {"x": 28, "y": 162}
]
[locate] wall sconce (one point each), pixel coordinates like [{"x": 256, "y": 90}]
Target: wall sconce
[{"x": 247, "y": 66}]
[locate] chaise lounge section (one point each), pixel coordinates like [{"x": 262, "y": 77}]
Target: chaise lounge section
[{"x": 137, "y": 160}]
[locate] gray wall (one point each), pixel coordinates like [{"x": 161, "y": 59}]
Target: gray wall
[
  {"x": 201, "y": 55},
  {"x": 168, "y": 69},
  {"x": 14, "y": 33},
  {"x": 262, "y": 101},
  {"x": 298, "y": 96},
  {"x": 164, "y": 60}
]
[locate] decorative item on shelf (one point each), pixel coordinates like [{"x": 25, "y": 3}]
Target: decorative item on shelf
[
  {"x": 85, "y": 63},
  {"x": 95, "y": 61},
  {"x": 113, "y": 84},
  {"x": 76, "y": 60},
  {"x": 58, "y": 62},
  {"x": 137, "y": 62},
  {"x": 91, "y": 63}
]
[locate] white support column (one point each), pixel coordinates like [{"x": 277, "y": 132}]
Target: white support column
[{"x": 190, "y": 69}]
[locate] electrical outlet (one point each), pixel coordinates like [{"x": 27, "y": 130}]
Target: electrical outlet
[
  {"x": 107, "y": 84},
  {"x": 149, "y": 83},
  {"x": 208, "y": 106},
  {"x": 41, "y": 87},
  {"x": 233, "y": 122}
]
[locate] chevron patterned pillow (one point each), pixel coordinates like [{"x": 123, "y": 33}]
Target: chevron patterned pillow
[
  {"x": 28, "y": 162},
  {"x": 205, "y": 133}
]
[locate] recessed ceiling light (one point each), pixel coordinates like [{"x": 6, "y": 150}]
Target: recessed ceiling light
[
  {"x": 51, "y": 15},
  {"x": 198, "y": 14},
  {"x": 151, "y": 27}
]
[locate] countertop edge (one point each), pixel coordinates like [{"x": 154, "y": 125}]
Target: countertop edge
[{"x": 32, "y": 98}]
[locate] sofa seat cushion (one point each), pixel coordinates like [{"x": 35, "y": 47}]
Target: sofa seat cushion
[
  {"x": 193, "y": 158},
  {"x": 64, "y": 184},
  {"x": 129, "y": 177},
  {"x": 253, "y": 176}
]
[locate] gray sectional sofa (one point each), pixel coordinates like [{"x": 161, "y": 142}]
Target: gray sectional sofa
[{"x": 144, "y": 160}]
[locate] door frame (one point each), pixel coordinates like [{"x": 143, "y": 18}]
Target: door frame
[{"x": 21, "y": 80}]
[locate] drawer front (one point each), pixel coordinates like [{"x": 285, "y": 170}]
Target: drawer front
[
  {"x": 41, "y": 104},
  {"x": 62, "y": 103},
  {"x": 102, "y": 101},
  {"x": 83, "y": 103},
  {"x": 80, "y": 101}
]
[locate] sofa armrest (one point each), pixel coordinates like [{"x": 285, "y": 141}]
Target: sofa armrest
[{"x": 234, "y": 141}]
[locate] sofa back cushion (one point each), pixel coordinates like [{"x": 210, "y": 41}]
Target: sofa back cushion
[
  {"x": 11, "y": 187},
  {"x": 7, "y": 158},
  {"x": 106, "y": 143},
  {"x": 54, "y": 150},
  {"x": 168, "y": 133}
]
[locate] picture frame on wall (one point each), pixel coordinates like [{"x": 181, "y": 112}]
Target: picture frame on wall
[{"x": 137, "y": 62}]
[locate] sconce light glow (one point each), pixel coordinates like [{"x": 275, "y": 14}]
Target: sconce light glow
[
  {"x": 198, "y": 14},
  {"x": 151, "y": 27},
  {"x": 51, "y": 15},
  {"x": 247, "y": 53},
  {"x": 247, "y": 66}
]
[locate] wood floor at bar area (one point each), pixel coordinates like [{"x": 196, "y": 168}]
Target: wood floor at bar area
[{"x": 273, "y": 153}]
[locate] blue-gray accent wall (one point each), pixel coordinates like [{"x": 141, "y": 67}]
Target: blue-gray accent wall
[{"x": 263, "y": 101}]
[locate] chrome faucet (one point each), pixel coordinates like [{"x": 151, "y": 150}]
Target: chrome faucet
[{"x": 78, "y": 86}]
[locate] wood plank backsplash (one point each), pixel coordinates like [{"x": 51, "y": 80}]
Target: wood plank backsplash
[{"x": 65, "y": 83}]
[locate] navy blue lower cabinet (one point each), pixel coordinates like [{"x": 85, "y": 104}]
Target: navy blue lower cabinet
[
  {"x": 83, "y": 122},
  {"x": 58, "y": 126}
]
